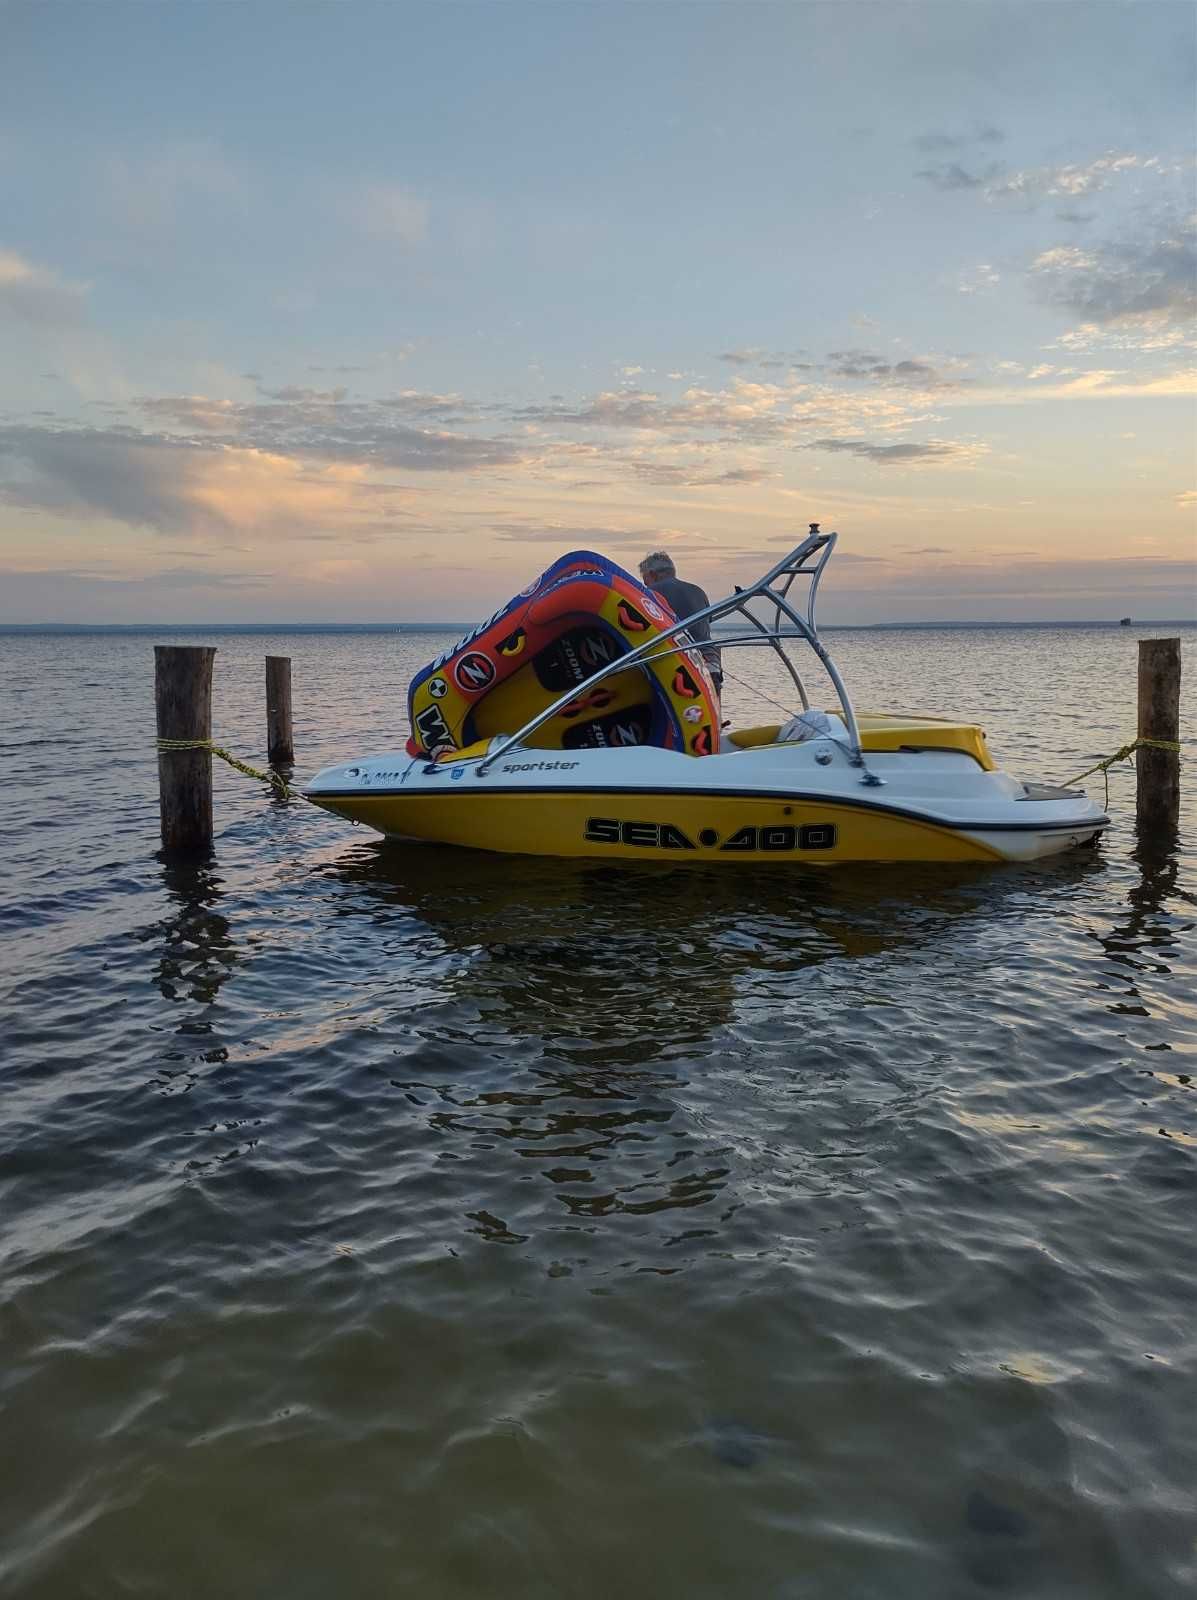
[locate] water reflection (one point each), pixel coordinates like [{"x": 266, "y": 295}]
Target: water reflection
[
  {"x": 622, "y": 966},
  {"x": 1144, "y": 938},
  {"x": 196, "y": 955},
  {"x": 559, "y": 906},
  {"x": 595, "y": 1022},
  {"x": 197, "y": 952}
]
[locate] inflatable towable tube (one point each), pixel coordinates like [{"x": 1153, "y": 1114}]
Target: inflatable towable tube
[{"x": 580, "y": 614}]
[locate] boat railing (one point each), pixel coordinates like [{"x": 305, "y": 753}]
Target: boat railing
[{"x": 806, "y": 560}]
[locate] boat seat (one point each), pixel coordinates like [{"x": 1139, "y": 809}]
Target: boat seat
[{"x": 880, "y": 731}]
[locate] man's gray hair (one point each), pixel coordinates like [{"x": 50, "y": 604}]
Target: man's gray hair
[{"x": 659, "y": 563}]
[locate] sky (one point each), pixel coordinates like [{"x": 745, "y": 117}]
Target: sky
[{"x": 357, "y": 312}]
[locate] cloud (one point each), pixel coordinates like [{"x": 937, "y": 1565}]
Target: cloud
[
  {"x": 1032, "y": 185},
  {"x": 1011, "y": 583},
  {"x": 417, "y": 403},
  {"x": 695, "y": 475},
  {"x": 958, "y": 141},
  {"x": 318, "y": 396},
  {"x": 150, "y": 193},
  {"x": 1152, "y": 273},
  {"x": 742, "y": 475},
  {"x": 951, "y": 176},
  {"x": 854, "y": 364},
  {"x": 133, "y": 592},
  {"x": 1095, "y": 384},
  {"x": 886, "y": 455},
  {"x": 1069, "y": 181},
  {"x": 325, "y": 424},
  {"x": 386, "y": 211},
  {"x": 565, "y": 537},
  {"x": 37, "y": 294},
  {"x": 745, "y": 412},
  {"x": 201, "y": 578},
  {"x": 1187, "y": 498},
  {"x": 194, "y": 412},
  {"x": 758, "y": 356},
  {"x": 311, "y": 462},
  {"x": 976, "y": 279},
  {"x": 1143, "y": 334},
  {"x": 910, "y": 374},
  {"x": 177, "y": 486},
  {"x": 166, "y": 577}
]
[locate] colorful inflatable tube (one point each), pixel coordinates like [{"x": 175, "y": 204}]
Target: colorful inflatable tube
[{"x": 581, "y": 614}]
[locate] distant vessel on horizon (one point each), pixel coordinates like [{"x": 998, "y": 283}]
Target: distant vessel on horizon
[{"x": 1125, "y": 622}]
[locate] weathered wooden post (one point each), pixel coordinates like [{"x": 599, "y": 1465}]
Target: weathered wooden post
[
  {"x": 1158, "y": 771},
  {"x": 280, "y": 743},
  {"x": 183, "y": 702}
]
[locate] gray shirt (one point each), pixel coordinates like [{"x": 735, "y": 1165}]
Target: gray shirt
[{"x": 686, "y": 598}]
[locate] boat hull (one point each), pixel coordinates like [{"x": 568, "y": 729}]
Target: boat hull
[{"x": 774, "y": 805}]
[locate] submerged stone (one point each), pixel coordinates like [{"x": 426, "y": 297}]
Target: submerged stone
[
  {"x": 734, "y": 1443},
  {"x": 986, "y": 1515}
]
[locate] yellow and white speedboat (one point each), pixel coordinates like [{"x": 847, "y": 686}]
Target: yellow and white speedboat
[{"x": 841, "y": 788}]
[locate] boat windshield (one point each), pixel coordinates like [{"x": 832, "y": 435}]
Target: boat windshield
[{"x": 783, "y": 621}]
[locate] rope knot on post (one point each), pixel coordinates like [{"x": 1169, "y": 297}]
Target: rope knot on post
[
  {"x": 1124, "y": 754},
  {"x": 275, "y": 780}
]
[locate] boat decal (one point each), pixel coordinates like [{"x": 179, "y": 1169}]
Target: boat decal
[
  {"x": 616, "y": 730},
  {"x": 434, "y": 730},
  {"x": 575, "y": 656},
  {"x": 474, "y": 672},
  {"x": 650, "y": 835},
  {"x": 541, "y": 766},
  {"x": 668, "y": 836}
]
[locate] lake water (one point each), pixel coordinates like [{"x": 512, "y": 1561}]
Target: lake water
[{"x": 395, "y": 1221}]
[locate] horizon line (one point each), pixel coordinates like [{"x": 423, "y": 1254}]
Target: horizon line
[{"x": 453, "y": 627}]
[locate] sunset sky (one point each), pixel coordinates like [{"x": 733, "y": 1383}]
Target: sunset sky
[{"x": 363, "y": 312}]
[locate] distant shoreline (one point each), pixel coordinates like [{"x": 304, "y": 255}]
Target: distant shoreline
[{"x": 173, "y": 628}]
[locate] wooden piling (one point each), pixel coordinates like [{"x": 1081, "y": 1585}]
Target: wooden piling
[
  {"x": 1158, "y": 771},
  {"x": 280, "y": 742},
  {"x": 183, "y": 703}
]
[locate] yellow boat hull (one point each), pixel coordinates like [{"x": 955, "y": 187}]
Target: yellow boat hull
[{"x": 722, "y": 828}]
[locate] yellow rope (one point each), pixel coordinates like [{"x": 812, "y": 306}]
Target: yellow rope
[
  {"x": 284, "y": 791},
  {"x": 276, "y": 781},
  {"x": 1124, "y": 754}
]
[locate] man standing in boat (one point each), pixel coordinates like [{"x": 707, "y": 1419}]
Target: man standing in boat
[{"x": 658, "y": 572}]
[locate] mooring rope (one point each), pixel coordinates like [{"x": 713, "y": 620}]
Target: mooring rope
[
  {"x": 1124, "y": 754},
  {"x": 283, "y": 789},
  {"x": 275, "y": 779}
]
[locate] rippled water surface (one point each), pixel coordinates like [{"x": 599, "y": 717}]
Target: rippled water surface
[{"x": 389, "y": 1221}]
